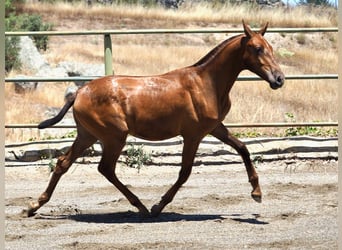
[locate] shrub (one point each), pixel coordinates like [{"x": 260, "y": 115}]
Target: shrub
[
  {"x": 136, "y": 156},
  {"x": 11, "y": 53},
  {"x": 27, "y": 22},
  {"x": 307, "y": 130},
  {"x": 35, "y": 23},
  {"x": 23, "y": 22}
]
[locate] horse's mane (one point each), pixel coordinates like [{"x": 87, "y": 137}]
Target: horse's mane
[{"x": 214, "y": 51}]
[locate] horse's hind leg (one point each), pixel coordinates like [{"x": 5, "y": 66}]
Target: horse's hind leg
[
  {"x": 189, "y": 151},
  {"x": 82, "y": 142},
  {"x": 224, "y": 135},
  {"x": 111, "y": 153}
]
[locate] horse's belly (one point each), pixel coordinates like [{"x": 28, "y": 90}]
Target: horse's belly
[{"x": 155, "y": 131}]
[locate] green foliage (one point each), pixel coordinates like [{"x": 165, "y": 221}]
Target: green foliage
[
  {"x": 307, "y": 130},
  {"x": 248, "y": 134},
  {"x": 35, "y": 23},
  {"x": 289, "y": 117},
  {"x": 8, "y": 7},
  {"x": 23, "y": 22},
  {"x": 47, "y": 155},
  {"x": 71, "y": 134},
  {"x": 27, "y": 22},
  {"x": 11, "y": 53},
  {"x": 136, "y": 156},
  {"x": 312, "y": 131},
  {"x": 52, "y": 165},
  {"x": 284, "y": 53}
]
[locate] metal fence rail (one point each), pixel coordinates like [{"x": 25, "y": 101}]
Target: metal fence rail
[
  {"x": 228, "y": 125},
  {"x": 109, "y": 70},
  {"x": 162, "y": 31},
  {"x": 240, "y": 78}
]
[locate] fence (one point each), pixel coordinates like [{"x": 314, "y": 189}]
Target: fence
[{"x": 109, "y": 69}]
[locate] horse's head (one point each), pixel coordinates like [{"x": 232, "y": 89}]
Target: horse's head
[{"x": 258, "y": 57}]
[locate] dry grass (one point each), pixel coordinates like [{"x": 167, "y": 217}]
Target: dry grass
[
  {"x": 200, "y": 12},
  {"x": 28, "y": 106},
  {"x": 154, "y": 54}
]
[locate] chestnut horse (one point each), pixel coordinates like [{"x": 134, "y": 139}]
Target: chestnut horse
[{"x": 191, "y": 102}]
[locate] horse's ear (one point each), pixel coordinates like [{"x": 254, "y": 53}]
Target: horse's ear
[
  {"x": 249, "y": 33},
  {"x": 263, "y": 30}
]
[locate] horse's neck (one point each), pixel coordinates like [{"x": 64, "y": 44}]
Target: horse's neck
[{"x": 224, "y": 68}]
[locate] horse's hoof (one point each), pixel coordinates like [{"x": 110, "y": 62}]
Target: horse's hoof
[
  {"x": 29, "y": 212},
  {"x": 144, "y": 213},
  {"x": 155, "y": 211},
  {"x": 256, "y": 197},
  {"x": 32, "y": 208}
]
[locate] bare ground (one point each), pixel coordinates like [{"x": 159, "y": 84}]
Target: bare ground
[{"x": 213, "y": 210}]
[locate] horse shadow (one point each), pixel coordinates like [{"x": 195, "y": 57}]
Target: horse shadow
[{"x": 134, "y": 217}]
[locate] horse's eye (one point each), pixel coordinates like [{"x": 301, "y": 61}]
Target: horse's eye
[{"x": 259, "y": 50}]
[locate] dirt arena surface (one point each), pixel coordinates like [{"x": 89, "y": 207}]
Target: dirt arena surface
[{"x": 213, "y": 210}]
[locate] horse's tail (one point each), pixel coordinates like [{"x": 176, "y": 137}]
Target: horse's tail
[{"x": 70, "y": 99}]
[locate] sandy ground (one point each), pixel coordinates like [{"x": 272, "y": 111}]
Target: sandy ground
[{"x": 213, "y": 210}]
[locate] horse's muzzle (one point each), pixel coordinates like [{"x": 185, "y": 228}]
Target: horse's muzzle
[{"x": 278, "y": 80}]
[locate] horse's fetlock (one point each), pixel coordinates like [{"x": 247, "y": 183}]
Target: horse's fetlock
[
  {"x": 254, "y": 180},
  {"x": 43, "y": 198}
]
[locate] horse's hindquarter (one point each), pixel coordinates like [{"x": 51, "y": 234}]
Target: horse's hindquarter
[{"x": 153, "y": 108}]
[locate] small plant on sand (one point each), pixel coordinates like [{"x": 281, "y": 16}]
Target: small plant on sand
[
  {"x": 48, "y": 155},
  {"x": 136, "y": 156}
]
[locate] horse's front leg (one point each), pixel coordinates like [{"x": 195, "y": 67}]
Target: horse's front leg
[
  {"x": 189, "y": 150},
  {"x": 222, "y": 133}
]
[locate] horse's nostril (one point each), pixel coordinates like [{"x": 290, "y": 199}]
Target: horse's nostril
[{"x": 280, "y": 80}]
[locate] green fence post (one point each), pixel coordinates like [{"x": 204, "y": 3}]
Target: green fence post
[{"x": 108, "y": 55}]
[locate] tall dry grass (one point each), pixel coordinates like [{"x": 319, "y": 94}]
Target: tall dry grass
[
  {"x": 155, "y": 54},
  {"x": 204, "y": 12}
]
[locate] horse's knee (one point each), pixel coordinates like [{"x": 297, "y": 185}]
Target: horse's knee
[
  {"x": 62, "y": 166},
  {"x": 44, "y": 198}
]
